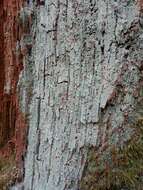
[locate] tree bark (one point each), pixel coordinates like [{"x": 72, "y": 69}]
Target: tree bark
[{"x": 79, "y": 86}]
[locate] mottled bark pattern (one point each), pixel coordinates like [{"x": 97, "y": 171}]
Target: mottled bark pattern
[{"x": 82, "y": 77}]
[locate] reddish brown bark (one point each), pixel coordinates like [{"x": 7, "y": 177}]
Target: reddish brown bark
[
  {"x": 140, "y": 2},
  {"x": 12, "y": 121}
]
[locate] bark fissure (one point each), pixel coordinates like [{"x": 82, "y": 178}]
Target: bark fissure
[{"x": 82, "y": 75}]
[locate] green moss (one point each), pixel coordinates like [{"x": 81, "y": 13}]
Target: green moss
[
  {"x": 9, "y": 173},
  {"x": 116, "y": 168}
]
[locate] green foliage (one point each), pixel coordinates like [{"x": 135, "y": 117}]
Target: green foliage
[{"x": 116, "y": 168}]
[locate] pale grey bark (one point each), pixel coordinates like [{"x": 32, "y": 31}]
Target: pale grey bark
[{"x": 82, "y": 50}]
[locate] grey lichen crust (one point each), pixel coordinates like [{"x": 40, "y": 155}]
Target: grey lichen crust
[{"x": 83, "y": 53}]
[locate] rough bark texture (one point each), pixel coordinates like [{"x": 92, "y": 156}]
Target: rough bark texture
[
  {"x": 12, "y": 123},
  {"x": 79, "y": 86},
  {"x": 83, "y": 77}
]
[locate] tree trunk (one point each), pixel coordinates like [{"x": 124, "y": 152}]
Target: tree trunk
[{"x": 80, "y": 85}]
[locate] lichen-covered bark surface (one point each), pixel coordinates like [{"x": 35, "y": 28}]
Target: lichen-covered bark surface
[{"x": 79, "y": 85}]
